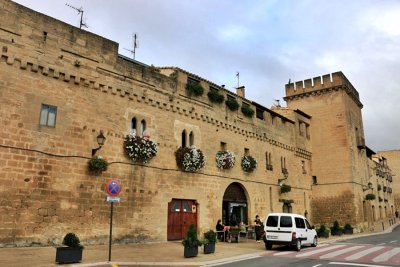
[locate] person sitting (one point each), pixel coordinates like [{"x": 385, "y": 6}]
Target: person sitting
[
  {"x": 220, "y": 228},
  {"x": 243, "y": 230}
]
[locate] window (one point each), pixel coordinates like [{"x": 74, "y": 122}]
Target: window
[
  {"x": 268, "y": 161},
  {"x": 286, "y": 221},
  {"x": 299, "y": 223},
  {"x": 48, "y": 115},
  {"x": 314, "y": 180},
  {"x": 184, "y": 138},
  {"x": 191, "y": 139},
  {"x": 303, "y": 166},
  {"x": 186, "y": 207},
  {"x": 246, "y": 151},
  {"x": 259, "y": 113},
  {"x": 133, "y": 126},
  {"x": 142, "y": 127},
  {"x": 272, "y": 221}
]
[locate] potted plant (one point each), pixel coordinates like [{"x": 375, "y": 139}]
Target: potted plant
[
  {"x": 370, "y": 197},
  {"x": 348, "y": 229},
  {"x": 71, "y": 252},
  {"x": 194, "y": 89},
  {"x": 247, "y": 111},
  {"x": 322, "y": 231},
  {"x": 232, "y": 104},
  {"x": 285, "y": 188},
  {"x": 336, "y": 229},
  {"x": 249, "y": 163},
  {"x": 225, "y": 159},
  {"x": 191, "y": 243},
  {"x": 140, "y": 149},
  {"x": 97, "y": 164},
  {"x": 210, "y": 238},
  {"x": 190, "y": 159}
]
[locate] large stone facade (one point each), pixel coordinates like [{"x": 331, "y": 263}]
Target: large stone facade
[{"x": 47, "y": 189}]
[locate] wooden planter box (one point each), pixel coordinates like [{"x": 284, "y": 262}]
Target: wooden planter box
[
  {"x": 68, "y": 255},
  {"x": 209, "y": 248},
  {"x": 190, "y": 252}
]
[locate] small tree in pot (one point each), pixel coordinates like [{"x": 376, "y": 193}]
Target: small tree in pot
[
  {"x": 72, "y": 252},
  {"x": 191, "y": 243},
  {"x": 210, "y": 238},
  {"x": 336, "y": 229},
  {"x": 322, "y": 231}
]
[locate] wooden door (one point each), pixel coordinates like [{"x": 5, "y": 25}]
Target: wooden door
[{"x": 181, "y": 214}]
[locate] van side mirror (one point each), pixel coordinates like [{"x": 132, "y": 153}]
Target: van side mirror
[{"x": 312, "y": 227}]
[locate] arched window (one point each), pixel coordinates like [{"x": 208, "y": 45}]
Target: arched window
[
  {"x": 191, "y": 139},
  {"x": 184, "y": 138},
  {"x": 133, "y": 125},
  {"x": 142, "y": 127}
]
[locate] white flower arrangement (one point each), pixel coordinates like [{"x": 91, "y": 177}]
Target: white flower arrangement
[
  {"x": 190, "y": 159},
  {"x": 249, "y": 163},
  {"x": 140, "y": 149},
  {"x": 225, "y": 159}
]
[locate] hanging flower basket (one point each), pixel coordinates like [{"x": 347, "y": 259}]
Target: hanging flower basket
[
  {"x": 285, "y": 188},
  {"x": 97, "y": 164},
  {"x": 190, "y": 159},
  {"x": 139, "y": 149},
  {"x": 249, "y": 163},
  {"x": 225, "y": 159}
]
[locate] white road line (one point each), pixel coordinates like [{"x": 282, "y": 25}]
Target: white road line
[
  {"x": 381, "y": 244},
  {"x": 363, "y": 253},
  {"x": 340, "y": 252},
  {"x": 309, "y": 253},
  {"x": 394, "y": 241},
  {"x": 357, "y": 264},
  {"x": 317, "y": 265},
  {"x": 290, "y": 252},
  {"x": 387, "y": 255}
]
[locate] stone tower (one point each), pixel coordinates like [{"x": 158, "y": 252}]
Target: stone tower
[{"x": 339, "y": 166}]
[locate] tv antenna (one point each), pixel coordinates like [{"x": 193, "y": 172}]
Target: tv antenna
[
  {"x": 135, "y": 44},
  {"x": 80, "y": 11}
]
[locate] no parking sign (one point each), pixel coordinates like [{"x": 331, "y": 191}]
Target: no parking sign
[{"x": 113, "y": 187}]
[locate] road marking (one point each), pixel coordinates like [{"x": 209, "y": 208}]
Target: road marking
[
  {"x": 357, "y": 264},
  {"x": 387, "y": 255},
  {"x": 340, "y": 252},
  {"x": 363, "y": 253},
  {"x": 381, "y": 244},
  {"x": 317, "y": 265},
  {"x": 305, "y": 254},
  {"x": 394, "y": 241},
  {"x": 290, "y": 252}
]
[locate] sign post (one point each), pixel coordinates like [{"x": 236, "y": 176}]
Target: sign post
[{"x": 113, "y": 188}]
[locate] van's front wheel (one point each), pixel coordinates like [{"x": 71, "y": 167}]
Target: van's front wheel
[{"x": 298, "y": 245}]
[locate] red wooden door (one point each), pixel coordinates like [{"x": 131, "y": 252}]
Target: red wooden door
[{"x": 181, "y": 214}]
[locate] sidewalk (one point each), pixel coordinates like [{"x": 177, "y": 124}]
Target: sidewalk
[{"x": 148, "y": 254}]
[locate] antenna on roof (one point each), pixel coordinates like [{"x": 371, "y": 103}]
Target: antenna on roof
[
  {"x": 135, "y": 44},
  {"x": 80, "y": 11},
  {"x": 237, "y": 75}
]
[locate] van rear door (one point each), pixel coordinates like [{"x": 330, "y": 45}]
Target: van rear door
[{"x": 285, "y": 228}]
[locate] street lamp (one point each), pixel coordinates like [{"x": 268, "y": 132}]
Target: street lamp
[{"x": 100, "y": 140}]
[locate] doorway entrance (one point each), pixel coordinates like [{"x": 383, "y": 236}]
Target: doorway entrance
[
  {"x": 234, "y": 205},
  {"x": 181, "y": 214}
]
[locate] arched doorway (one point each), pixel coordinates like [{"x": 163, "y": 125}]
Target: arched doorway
[{"x": 234, "y": 205}]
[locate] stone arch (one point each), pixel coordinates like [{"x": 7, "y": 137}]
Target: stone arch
[{"x": 235, "y": 205}]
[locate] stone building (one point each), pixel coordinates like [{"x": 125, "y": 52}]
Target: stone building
[{"x": 61, "y": 87}]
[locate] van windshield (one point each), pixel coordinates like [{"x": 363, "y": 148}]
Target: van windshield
[
  {"x": 286, "y": 221},
  {"x": 272, "y": 221}
]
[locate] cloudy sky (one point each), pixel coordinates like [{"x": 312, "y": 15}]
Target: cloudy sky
[{"x": 267, "y": 41}]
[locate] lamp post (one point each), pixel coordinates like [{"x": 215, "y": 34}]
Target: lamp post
[{"x": 100, "y": 141}]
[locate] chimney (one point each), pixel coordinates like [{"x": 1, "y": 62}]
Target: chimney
[{"x": 240, "y": 91}]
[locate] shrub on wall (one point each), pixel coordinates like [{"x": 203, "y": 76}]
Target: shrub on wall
[
  {"x": 247, "y": 111},
  {"x": 285, "y": 188},
  {"x": 249, "y": 163},
  {"x": 215, "y": 96},
  {"x": 97, "y": 164},
  {"x": 232, "y": 104},
  {"x": 225, "y": 159},
  {"x": 194, "y": 89},
  {"x": 140, "y": 149},
  {"x": 190, "y": 159}
]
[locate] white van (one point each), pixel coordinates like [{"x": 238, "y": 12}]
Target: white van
[{"x": 288, "y": 229}]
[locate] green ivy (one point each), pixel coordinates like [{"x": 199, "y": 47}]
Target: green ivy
[
  {"x": 194, "y": 89},
  {"x": 247, "y": 111},
  {"x": 215, "y": 96},
  {"x": 232, "y": 104}
]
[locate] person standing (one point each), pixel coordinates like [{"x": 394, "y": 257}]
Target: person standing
[{"x": 258, "y": 228}]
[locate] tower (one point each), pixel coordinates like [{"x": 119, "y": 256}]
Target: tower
[{"x": 339, "y": 162}]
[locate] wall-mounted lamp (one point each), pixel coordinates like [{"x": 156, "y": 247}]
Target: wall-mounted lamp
[
  {"x": 280, "y": 181},
  {"x": 368, "y": 187},
  {"x": 100, "y": 140}
]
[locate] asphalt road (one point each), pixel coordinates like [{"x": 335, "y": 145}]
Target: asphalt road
[{"x": 379, "y": 250}]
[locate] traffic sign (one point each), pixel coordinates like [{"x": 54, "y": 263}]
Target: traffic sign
[
  {"x": 113, "y": 187},
  {"x": 113, "y": 199}
]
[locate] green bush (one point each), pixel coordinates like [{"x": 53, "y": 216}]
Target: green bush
[
  {"x": 285, "y": 188},
  {"x": 215, "y": 96},
  {"x": 97, "y": 164},
  {"x": 232, "y": 104},
  {"x": 191, "y": 239},
  {"x": 194, "y": 89},
  {"x": 247, "y": 111},
  {"x": 370, "y": 197},
  {"x": 210, "y": 237},
  {"x": 72, "y": 240}
]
